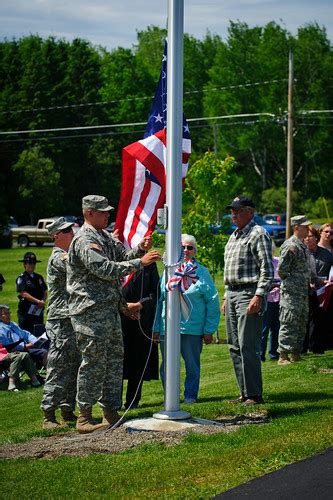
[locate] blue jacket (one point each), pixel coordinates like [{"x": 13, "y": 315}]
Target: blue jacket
[
  {"x": 203, "y": 301},
  {"x": 12, "y": 333}
]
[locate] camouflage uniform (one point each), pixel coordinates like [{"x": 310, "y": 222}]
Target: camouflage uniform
[
  {"x": 294, "y": 270},
  {"x": 63, "y": 356},
  {"x": 96, "y": 262}
]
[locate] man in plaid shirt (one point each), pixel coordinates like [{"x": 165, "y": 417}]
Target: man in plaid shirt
[{"x": 248, "y": 275}]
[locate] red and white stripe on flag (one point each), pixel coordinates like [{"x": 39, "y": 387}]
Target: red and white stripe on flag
[{"x": 143, "y": 186}]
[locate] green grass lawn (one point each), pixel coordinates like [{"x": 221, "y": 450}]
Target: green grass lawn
[{"x": 300, "y": 423}]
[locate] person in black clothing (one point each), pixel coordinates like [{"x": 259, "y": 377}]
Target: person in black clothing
[
  {"x": 32, "y": 291},
  {"x": 140, "y": 289},
  {"x": 319, "y": 331}
]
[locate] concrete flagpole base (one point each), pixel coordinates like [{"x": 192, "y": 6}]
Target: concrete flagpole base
[
  {"x": 166, "y": 425},
  {"x": 172, "y": 415}
]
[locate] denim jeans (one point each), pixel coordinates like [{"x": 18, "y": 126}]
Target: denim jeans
[{"x": 190, "y": 349}]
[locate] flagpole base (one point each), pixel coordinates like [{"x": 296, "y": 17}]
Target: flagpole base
[{"x": 172, "y": 415}]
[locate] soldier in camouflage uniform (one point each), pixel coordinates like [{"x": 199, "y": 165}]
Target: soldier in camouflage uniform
[
  {"x": 63, "y": 357},
  {"x": 294, "y": 270},
  {"x": 96, "y": 262}
]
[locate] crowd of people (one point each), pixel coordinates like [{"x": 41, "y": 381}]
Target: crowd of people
[{"x": 106, "y": 310}]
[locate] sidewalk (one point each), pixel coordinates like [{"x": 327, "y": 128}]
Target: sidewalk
[{"x": 307, "y": 480}]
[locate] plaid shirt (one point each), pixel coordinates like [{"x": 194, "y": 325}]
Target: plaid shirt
[{"x": 248, "y": 258}]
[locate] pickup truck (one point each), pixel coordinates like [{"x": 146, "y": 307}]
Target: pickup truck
[{"x": 32, "y": 234}]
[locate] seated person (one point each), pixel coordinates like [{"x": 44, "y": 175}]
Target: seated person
[
  {"x": 10, "y": 333},
  {"x": 16, "y": 362}
]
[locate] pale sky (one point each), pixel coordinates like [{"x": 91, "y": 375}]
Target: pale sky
[{"x": 114, "y": 23}]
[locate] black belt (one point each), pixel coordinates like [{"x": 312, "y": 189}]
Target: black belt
[{"x": 234, "y": 288}]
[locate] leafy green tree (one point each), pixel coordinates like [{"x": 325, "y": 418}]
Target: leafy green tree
[
  {"x": 208, "y": 186},
  {"x": 38, "y": 183}
]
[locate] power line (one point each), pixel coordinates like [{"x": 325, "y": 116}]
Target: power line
[
  {"x": 141, "y": 98},
  {"x": 134, "y": 124}
]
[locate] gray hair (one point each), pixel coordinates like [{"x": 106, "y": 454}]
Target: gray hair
[
  {"x": 4, "y": 307},
  {"x": 190, "y": 239}
]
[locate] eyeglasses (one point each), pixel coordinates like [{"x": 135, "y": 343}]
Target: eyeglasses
[{"x": 187, "y": 247}]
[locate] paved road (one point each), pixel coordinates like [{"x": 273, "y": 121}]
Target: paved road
[{"x": 310, "y": 479}]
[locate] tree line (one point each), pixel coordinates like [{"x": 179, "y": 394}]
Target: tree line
[{"x": 54, "y": 85}]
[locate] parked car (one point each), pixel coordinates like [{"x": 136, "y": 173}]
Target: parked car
[
  {"x": 276, "y": 232},
  {"x": 32, "y": 234},
  {"x": 77, "y": 220},
  {"x": 278, "y": 219}
]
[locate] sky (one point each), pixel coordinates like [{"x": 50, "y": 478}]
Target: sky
[{"x": 114, "y": 23}]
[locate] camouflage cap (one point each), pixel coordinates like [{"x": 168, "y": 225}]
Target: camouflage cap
[
  {"x": 300, "y": 220},
  {"x": 96, "y": 202},
  {"x": 58, "y": 225}
]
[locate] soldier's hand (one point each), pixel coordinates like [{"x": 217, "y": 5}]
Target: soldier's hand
[
  {"x": 133, "y": 310},
  {"x": 115, "y": 234},
  {"x": 146, "y": 243},
  {"x": 150, "y": 257}
]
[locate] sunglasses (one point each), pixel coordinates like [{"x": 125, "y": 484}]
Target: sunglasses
[
  {"x": 187, "y": 247},
  {"x": 67, "y": 230}
]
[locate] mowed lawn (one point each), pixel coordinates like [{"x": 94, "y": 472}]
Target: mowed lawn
[{"x": 299, "y": 423}]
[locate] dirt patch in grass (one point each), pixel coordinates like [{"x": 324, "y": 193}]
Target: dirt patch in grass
[{"x": 115, "y": 440}]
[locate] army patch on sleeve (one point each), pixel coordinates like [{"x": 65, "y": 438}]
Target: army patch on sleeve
[{"x": 94, "y": 246}]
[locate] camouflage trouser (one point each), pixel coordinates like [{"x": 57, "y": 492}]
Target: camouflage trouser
[
  {"x": 100, "y": 342},
  {"x": 62, "y": 365},
  {"x": 293, "y": 321}
]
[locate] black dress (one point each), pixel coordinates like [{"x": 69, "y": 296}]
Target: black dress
[
  {"x": 35, "y": 285},
  {"x": 144, "y": 288}
]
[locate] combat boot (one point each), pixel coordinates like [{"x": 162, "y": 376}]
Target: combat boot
[
  {"x": 283, "y": 359},
  {"x": 49, "y": 421},
  {"x": 67, "y": 415},
  {"x": 111, "y": 416},
  {"x": 85, "y": 423},
  {"x": 294, "y": 357}
]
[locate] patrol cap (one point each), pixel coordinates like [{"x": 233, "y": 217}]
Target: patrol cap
[
  {"x": 96, "y": 202},
  {"x": 299, "y": 220},
  {"x": 241, "y": 202},
  {"x": 30, "y": 257},
  {"x": 58, "y": 225}
]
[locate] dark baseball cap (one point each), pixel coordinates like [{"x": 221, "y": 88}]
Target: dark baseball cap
[
  {"x": 241, "y": 202},
  {"x": 29, "y": 257}
]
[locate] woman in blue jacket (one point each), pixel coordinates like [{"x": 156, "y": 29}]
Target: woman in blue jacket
[{"x": 199, "y": 318}]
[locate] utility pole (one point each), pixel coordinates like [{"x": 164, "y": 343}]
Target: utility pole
[{"x": 290, "y": 145}]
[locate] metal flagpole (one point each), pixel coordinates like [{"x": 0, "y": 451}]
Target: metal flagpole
[{"x": 174, "y": 207}]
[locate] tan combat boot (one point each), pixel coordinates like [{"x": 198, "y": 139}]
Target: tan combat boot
[
  {"x": 49, "y": 421},
  {"x": 67, "y": 415},
  {"x": 294, "y": 357},
  {"x": 85, "y": 423},
  {"x": 111, "y": 416},
  {"x": 283, "y": 359}
]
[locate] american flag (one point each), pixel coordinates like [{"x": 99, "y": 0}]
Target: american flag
[{"x": 144, "y": 170}]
